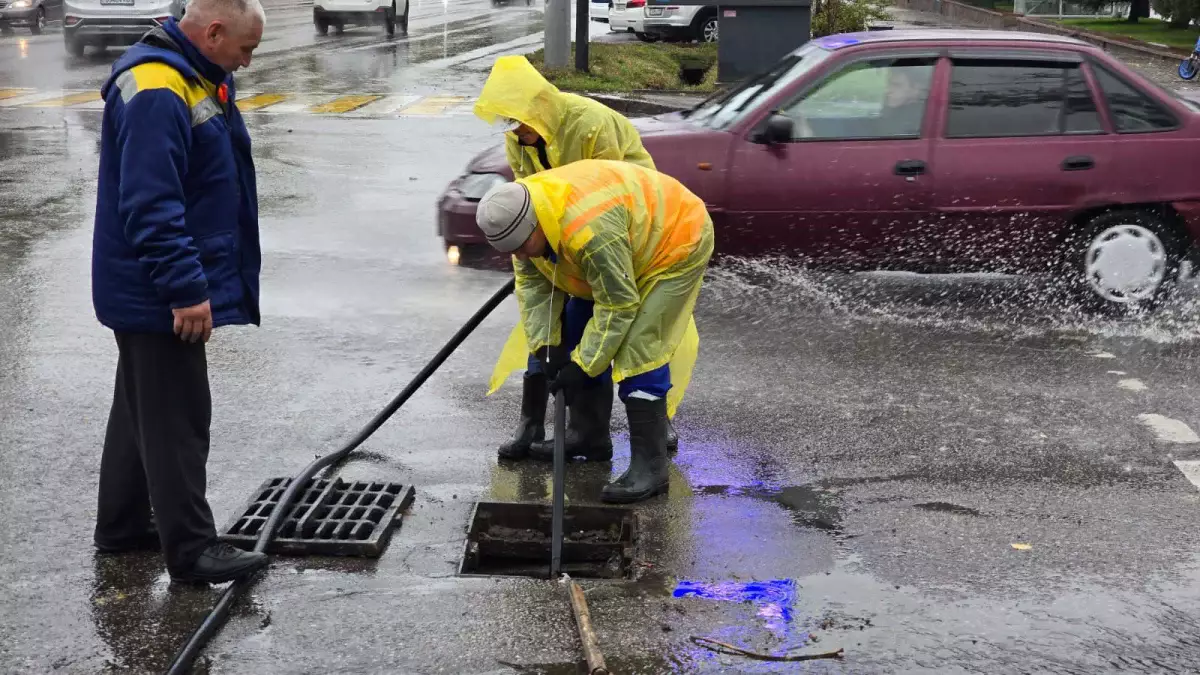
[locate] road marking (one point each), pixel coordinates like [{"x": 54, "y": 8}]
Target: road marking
[
  {"x": 1168, "y": 430},
  {"x": 1132, "y": 384},
  {"x": 344, "y": 104},
  {"x": 1190, "y": 469},
  {"x": 1102, "y": 355},
  {"x": 260, "y": 101},
  {"x": 1116, "y": 372},
  {"x": 433, "y": 105},
  {"x": 68, "y": 100},
  {"x": 271, "y": 102}
]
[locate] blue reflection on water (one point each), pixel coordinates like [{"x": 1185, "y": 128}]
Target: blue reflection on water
[{"x": 773, "y": 599}]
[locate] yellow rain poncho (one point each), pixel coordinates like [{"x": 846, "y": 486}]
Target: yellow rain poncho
[
  {"x": 573, "y": 127},
  {"x": 634, "y": 241}
]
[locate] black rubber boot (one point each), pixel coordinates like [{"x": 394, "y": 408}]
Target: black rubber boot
[
  {"x": 532, "y": 427},
  {"x": 672, "y": 437},
  {"x": 588, "y": 434},
  {"x": 647, "y": 474}
]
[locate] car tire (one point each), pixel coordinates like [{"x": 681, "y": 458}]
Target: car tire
[
  {"x": 647, "y": 37},
  {"x": 707, "y": 28},
  {"x": 74, "y": 47},
  {"x": 1114, "y": 246},
  {"x": 39, "y": 22},
  {"x": 404, "y": 19},
  {"x": 389, "y": 20},
  {"x": 321, "y": 24}
]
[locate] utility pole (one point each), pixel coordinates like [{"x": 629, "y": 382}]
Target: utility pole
[
  {"x": 583, "y": 20},
  {"x": 558, "y": 33}
]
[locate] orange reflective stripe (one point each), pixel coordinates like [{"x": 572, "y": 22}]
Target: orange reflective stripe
[{"x": 578, "y": 222}]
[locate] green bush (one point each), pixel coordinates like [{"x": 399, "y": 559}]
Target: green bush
[
  {"x": 1178, "y": 13},
  {"x": 845, "y": 16}
]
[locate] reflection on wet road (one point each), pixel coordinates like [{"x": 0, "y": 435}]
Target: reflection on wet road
[{"x": 859, "y": 453}]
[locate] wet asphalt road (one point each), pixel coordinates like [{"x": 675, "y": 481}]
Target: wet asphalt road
[{"x": 869, "y": 446}]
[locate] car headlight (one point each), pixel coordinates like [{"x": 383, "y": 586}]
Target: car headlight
[
  {"x": 22, "y": 4},
  {"x": 475, "y": 185}
]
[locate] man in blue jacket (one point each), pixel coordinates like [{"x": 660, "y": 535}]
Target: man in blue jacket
[{"x": 175, "y": 254}]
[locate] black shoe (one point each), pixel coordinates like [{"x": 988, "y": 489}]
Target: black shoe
[
  {"x": 223, "y": 562},
  {"x": 647, "y": 474},
  {"x": 147, "y": 541},
  {"x": 532, "y": 427},
  {"x": 588, "y": 434}
]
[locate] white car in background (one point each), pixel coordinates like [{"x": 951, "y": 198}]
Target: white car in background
[
  {"x": 683, "y": 23},
  {"x": 116, "y": 23},
  {"x": 598, "y": 10},
  {"x": 342, "y": 13},
  {"x": 628, "y": 16}
]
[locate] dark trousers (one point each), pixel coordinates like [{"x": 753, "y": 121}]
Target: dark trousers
[{"x": 156, "y": 448}]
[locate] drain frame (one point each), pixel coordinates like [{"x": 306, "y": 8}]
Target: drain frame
[
  {"x": 330, "y": 517},
  {"x": 510, "y": 551}
]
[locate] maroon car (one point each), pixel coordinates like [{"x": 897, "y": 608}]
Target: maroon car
[{"x": 933, "y": 151}]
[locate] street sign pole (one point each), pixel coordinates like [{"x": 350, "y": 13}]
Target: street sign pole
[
  {"x": 583, "y": 21},
  {"x": 558, "y": 33}
]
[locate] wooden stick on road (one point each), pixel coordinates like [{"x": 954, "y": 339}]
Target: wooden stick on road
[{"x": 587, "y": 635}]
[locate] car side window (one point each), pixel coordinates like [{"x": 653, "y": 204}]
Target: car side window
[
  {"x": 1132, "y": 111},
  {"x": 879, "y": 98},
  {"x": 997, "y": 98}
]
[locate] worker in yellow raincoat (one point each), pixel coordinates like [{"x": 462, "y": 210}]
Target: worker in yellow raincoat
[
  {"x": 634, "y": 244},
  {"x": 547, "y": 128}
]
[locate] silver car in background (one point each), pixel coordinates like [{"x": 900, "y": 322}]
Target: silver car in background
[{"x": 117, "y": 23}]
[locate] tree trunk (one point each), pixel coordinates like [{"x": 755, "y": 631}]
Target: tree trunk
[{"x": 1139, "y": 9}]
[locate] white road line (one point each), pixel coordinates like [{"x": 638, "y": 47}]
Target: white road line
[
  {"x": 386, "y": 106},
  {"x": 1168, "y": 430},
  {"x": 1132, "y": 384},
  {"x": 1102, "y": 355},
  {"x": 1116, "y": 372},
  {"x": 34, "y": 98},
  {"x": 1190, "y": 469}
]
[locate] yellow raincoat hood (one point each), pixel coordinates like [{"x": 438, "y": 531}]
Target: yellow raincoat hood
[{"x": 573, "y": 127}]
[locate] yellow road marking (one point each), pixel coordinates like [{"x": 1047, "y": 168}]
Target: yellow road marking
[
  {"x": 344, "y": 104},
  {"x": 73, "y": 99},
  {"x": 260, "y": 101},
  {"x": 433, "y": 105},
  {"x": 13, "y": 93}
]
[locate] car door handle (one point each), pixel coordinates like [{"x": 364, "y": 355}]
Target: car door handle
[
  {"x": 1078, "y": 163},
  {"x": 910, "y": 167}
]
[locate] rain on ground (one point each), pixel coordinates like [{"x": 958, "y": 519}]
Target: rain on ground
[{"x": 859, "y": 454}]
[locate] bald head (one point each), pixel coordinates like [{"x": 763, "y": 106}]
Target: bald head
[{"x": 226, "y": 31}]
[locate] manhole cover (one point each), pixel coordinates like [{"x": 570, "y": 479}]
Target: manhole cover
[
  {"x": 513, "y": 539},
  {"x": 329, "y": 517}
]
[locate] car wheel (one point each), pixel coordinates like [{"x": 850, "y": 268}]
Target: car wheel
[
  {"x": 74, "y": 47},
  {"x": 1125, "y": 259},
  {"x": 404, "y": 19},
  {"x": 647, "y": 37},
  {"x": 389, "y": 20},
  {"x": 39, "y": 22},
  {"x": 708, "y": 29},
  {"x": 321, "y": 24}
]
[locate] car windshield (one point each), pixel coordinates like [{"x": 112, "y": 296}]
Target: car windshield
[{"x": 727, "y": 107}]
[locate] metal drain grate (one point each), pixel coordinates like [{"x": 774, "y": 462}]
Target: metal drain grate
[
  {"x": 330, "y": 517},
  {"x": 513, "y": 539}
]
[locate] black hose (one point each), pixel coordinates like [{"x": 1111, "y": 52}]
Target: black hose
[{"x": 216, "y": 618}]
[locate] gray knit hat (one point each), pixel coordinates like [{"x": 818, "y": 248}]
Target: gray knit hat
[{"x": 506, "y": 216}]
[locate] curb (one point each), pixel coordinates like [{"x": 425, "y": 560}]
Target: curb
[{"x": 634, "y": 106}]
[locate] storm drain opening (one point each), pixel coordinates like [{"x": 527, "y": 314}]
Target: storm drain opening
[
  {"x": 329, "y": 517},
  {"x": 513, "y": 539}
]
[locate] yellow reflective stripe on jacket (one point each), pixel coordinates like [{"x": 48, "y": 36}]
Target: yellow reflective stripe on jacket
[
  {"x": 198, "y": 95},
  {"x": 619, "y": 230}
]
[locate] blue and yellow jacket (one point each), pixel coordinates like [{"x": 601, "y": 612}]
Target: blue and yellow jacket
[{"x": 177, "y": 207}]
